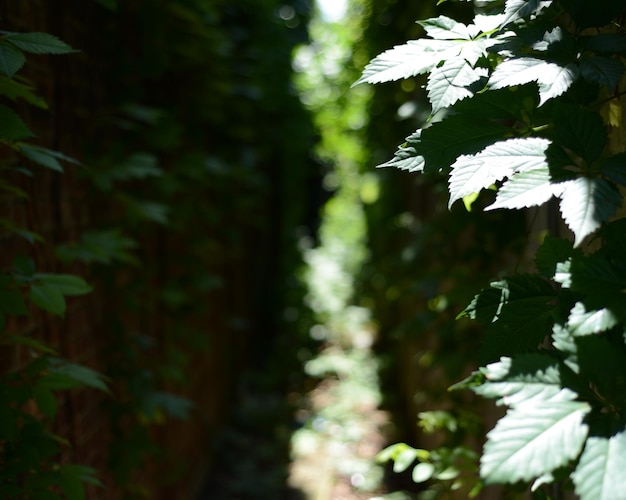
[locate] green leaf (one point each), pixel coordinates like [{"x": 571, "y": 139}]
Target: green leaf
[
  {"x": 422, "y": 472},
  {"x": 450, "y": 83},
  {"x": 173, "y": 405},
  {"x": 527, "y": 189},
  {"x": 534, "y": 438},
  {"x": 581, "y": 322},
  {"x": 403, "y": 460},
  {"x": 581, "y": 131},
  {"x": 14, "y": 89},
  {"x": 519, "y": 311},
  {"x": 552, "y": 252},
  {"x": 38, "y": 43},
  {"x": 602, "y": 70},
  {"x": 156, "y": 212},
  {"x": 600, "y": 471},
  {"x": 553, "y": 80},
  {"x": 12, "y": 127},
  {"x": 602, "y": 283},
  {"x": 65, "y": 284},
  {"x": 11, "y": 59},
  {"x": 404, "y": 61},
  {"x": 615, "y": 168},
  {"x": 45, "y": 400},
  {"x": 29, "y": 342},
  {"x": 586, "y": 203},
  {"x": 81, "y": 374},
  {"x": 103, "y": 247},
  {"x": 443, "y": 142},
  {"x": 406, "y": 157},
  {"x": 521, "y": 9},
  {"x": 47, "y": 298},
  {"x": 524, "y": 378},
  {"x": 445, "y": 28},
  {"x": 471, "y": 173},
  {"x": 45, "y": 157}
]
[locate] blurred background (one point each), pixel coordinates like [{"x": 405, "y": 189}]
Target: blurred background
[{"x": 269, "y": 310}]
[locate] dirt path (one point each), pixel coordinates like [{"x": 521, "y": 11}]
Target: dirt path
[{"x": 334, "y": 453}]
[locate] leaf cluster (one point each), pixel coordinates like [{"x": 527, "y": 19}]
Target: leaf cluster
[
  {"x": 29, "y": 452},
  {"x": 525, "y": 101}
]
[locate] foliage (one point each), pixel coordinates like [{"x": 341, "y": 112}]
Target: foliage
[
  {"x": 526, "y": 101},
  {"x": 29, "y": 391}
]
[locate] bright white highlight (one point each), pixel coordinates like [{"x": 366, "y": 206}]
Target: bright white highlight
[{"x": 332, "y": 10}]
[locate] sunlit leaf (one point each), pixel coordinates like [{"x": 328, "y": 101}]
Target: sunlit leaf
[
  {"x": 526, "y": 189},
  {"x": 526, "y": 377},
  {"x": 472, "y": 173},
  {"x": 583, "y": 322},
  {"x": 422, "y": 472},
  {"x": 553, "y": 80},
  {"x": 534, "y": 438},
  {"x": 600, "y": 471},
  {"x": 450, "y": 82},
  {"x": 445, "y": 28},
  {"x": 586, "y": 203},
  {"x": 520, "y": 9}
]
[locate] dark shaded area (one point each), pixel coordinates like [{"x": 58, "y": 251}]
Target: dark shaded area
[{"x": 198, "y": 182}]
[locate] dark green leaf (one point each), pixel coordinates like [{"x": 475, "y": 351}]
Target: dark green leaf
[
  {"x": 45, "y": 400},
  {"x": 443, "y": 142},
  {"x": 615, "y": 168},
  {"x": 602, "y": 283},
  {"x": 23, "y": 265},
  {"x": 14, "y": 89},
  {"x": 38, "y": 43},
  {"x": 12, "y": 127},
  {"x": 519, "y": 311},
  {"x": 29, "y": 342},
  {"x": 11, "y": 59},
  {"x": 581, "y": 131},
  {"x": 79, "y": 373},
  {"x": 551, "y": 252},
  {"x": 47, "y": 298},
  {"x": 173, "y": 405},
  {"x": 65, "y": 284},
  {"x": 602, "y": 70},
  {"x": 100, "y": 246}
]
